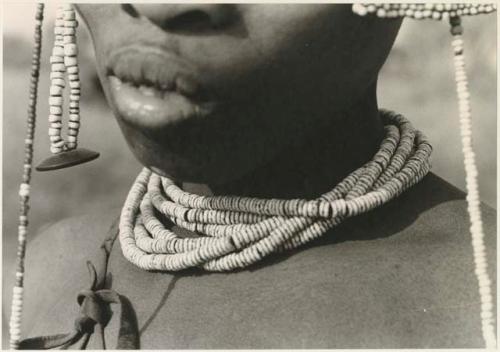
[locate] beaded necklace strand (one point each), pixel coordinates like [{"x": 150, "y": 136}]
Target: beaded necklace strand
[
  {"x": 423, "y": 11},
  {"x": 471, "y": 184},
  {"x": 240, "y": 231},
  {"x": 24, "y": 189}
]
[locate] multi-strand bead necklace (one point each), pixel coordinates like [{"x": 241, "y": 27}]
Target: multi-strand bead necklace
[{"x": 239, "y": 231}]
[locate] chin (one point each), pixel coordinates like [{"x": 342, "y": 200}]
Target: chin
[
  {"x": 196, "y": 167},
  {"x": 216, "y": 148},
  {"x": 188, "y": 172}
]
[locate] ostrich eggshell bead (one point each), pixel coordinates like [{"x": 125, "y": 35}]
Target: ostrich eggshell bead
[
  {"x": 70, "y": 23},
  {"x": 58, "y": 82},
  {"x": 56, "y": 124},
  {"x": 59, "y": 144},
  {"x": 69, "y": 39},
  {"x": 55, "y": 90},
  {"x": 58, "y": 67},
  {"x": 55, "y": 100},
  {"x": 55, "y": 150},
  {"x": 56, "y": 75},
  {"x": 70, "y": 49},
  {"x": 56, "y": 138},
  {"x": 59, "y": 13},
  {"x": 54, "y": 131},
  {"x": 68, "y": 31},
  {"x": 74, "y": 84},
  {"x": 72, "y": 69},
  {"x": 70, "y": 61},
  {"x": 55, "y": 110},
  {"x": 55, "y": 118},
  {"x": 69, "y": 15},
  {"x": 56, "y": 59}
]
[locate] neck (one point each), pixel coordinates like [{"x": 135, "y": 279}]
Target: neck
[{"x": 340, "y": 144}]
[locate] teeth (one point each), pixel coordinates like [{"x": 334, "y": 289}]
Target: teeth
[
  {"x": 181, "y": 84},
  {"x": 151, "y": 91},
  {"x": 147, "y": 91}
]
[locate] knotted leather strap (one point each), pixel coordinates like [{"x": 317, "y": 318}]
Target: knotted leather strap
[{"x": 95, "y": 311}]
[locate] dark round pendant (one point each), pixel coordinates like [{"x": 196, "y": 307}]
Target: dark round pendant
[{"x": 67, "y": 159}]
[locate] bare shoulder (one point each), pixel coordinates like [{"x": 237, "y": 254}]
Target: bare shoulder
[
  {"x": 401, "y": 276},
  {"x": 56, "y": 267}
]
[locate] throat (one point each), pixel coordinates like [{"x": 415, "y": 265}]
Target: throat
[{"x": 314, "y": 163}]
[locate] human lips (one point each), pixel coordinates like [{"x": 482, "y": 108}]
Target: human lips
[{"x": 152, "y": 88}]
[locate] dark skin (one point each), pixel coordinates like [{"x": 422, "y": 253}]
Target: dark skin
[
  {"x": 293, "y": 91},
  {"x": 400, "y": 276},
  {"x": 273, "y": 96}
]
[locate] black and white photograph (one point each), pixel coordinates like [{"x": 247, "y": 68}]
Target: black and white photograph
[{"x": 249, "y": 175}]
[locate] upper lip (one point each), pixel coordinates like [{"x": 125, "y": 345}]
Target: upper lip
[{"x": 152, "y": 66}]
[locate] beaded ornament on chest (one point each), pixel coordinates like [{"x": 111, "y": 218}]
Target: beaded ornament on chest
[{"x": 239, "y": 231}]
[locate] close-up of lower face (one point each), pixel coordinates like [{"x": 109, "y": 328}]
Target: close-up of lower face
[
  {"x": 209, "y": 92},
  {"x": 286, "y": 188}
]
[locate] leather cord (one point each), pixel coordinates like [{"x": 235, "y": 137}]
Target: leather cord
[{"x": 95, "y": 311}]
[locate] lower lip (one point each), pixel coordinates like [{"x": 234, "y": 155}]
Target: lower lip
[{"x": 151, "y": 111}]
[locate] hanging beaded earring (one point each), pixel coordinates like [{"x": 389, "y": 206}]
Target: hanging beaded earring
[
  {"x": 453, "y": 13},
  {"x": 64, "y": 61}
]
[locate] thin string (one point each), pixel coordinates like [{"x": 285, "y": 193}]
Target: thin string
[
  {"x": 24, "y": 190},
  {"x": 476, "y": 228}
]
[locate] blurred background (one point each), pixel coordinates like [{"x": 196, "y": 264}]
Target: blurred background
[{"x": 416, "y": 81}]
